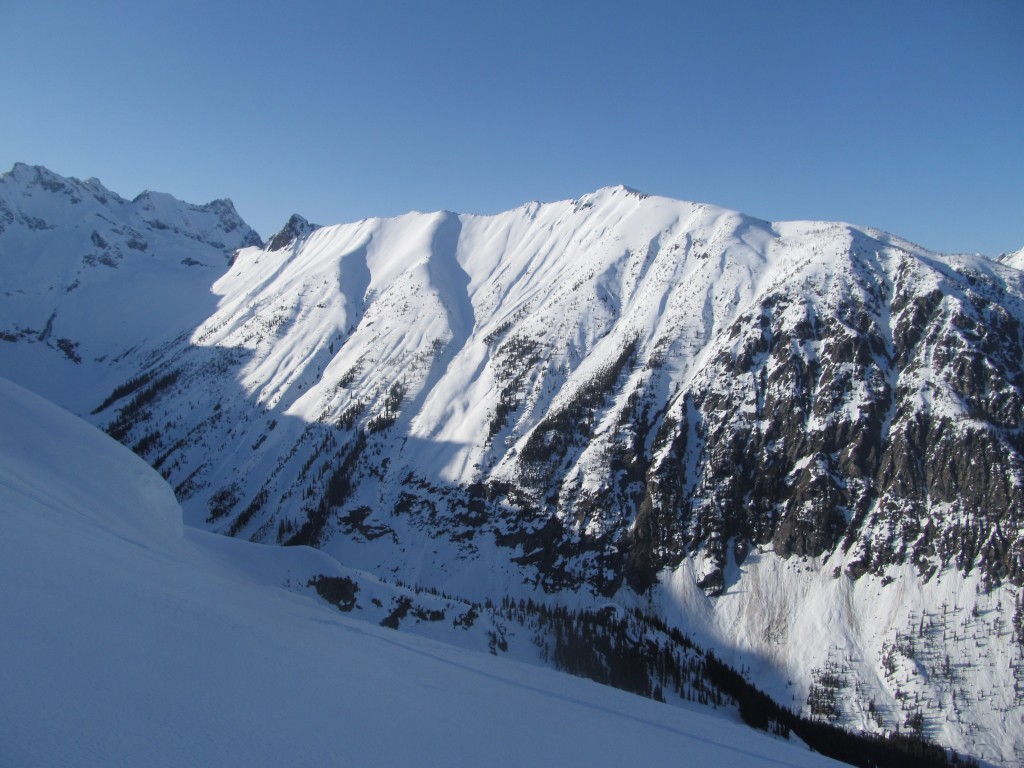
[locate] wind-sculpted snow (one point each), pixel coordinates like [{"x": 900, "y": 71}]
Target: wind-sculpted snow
[{"x": 626, "y": 398}]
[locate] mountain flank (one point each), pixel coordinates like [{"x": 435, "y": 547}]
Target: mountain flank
[{"x": 799, "y": 441}]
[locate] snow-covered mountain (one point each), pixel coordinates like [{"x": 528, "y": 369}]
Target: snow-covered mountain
[
  {"x": 94, "y": 276},
  {"x": 799, "y": 442},
  {"x": 130, "y": 641},
  {"x": 1015, "y": 259}
]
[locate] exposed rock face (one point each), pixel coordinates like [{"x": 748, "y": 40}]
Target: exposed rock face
[
  {"x": 295, "y": 229},
  {"x": 881, "y": 414}
]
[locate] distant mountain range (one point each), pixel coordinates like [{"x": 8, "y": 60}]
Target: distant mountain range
[{"x": 799, "y": 443}]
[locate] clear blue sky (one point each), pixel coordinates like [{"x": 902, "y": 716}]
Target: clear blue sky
[{"x": 904, "y": 115}]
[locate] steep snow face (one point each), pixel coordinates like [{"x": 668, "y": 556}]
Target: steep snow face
[
  {"x": 1015, "y": 259},
  {"x": 127, "y": 643},
  {"x": 630, "y": 398},
  {"x": 99, "y": 278}
]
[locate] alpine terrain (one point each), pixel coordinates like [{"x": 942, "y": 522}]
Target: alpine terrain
[
  {"x": 130, "y": 641},
  {"x": 798, "y": 445}
]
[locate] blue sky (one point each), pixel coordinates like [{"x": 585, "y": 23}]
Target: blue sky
[{"x": 908, "y": 116}]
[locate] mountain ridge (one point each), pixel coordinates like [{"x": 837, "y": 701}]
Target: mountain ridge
[{"x": 630, "y": 398}]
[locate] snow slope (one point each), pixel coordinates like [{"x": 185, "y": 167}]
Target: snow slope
[
  {"x": 126, "y": 641},
  {"x": 801, "y": 441}
]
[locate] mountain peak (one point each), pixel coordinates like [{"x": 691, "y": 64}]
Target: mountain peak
[
  {"x": 223, "y": 226},
  {"x": 33, "y": 175},
  {"x": 296, "y": 228},
  {"x": 22, "y": 169},
  {"x": 625, "y": 189},
  {"x": 608, "y": 193}
]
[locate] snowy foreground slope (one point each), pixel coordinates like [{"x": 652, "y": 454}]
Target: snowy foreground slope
[
  {"x": 128, "y": 641},
  {"x": 802, "y": 443}
]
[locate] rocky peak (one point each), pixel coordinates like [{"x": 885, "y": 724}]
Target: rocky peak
[{"x": 295, "y": 229}]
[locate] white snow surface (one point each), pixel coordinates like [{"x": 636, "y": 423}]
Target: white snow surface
[
  {"x": 127, "y": 642},
  {"x": 1015, "y": 259}
]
